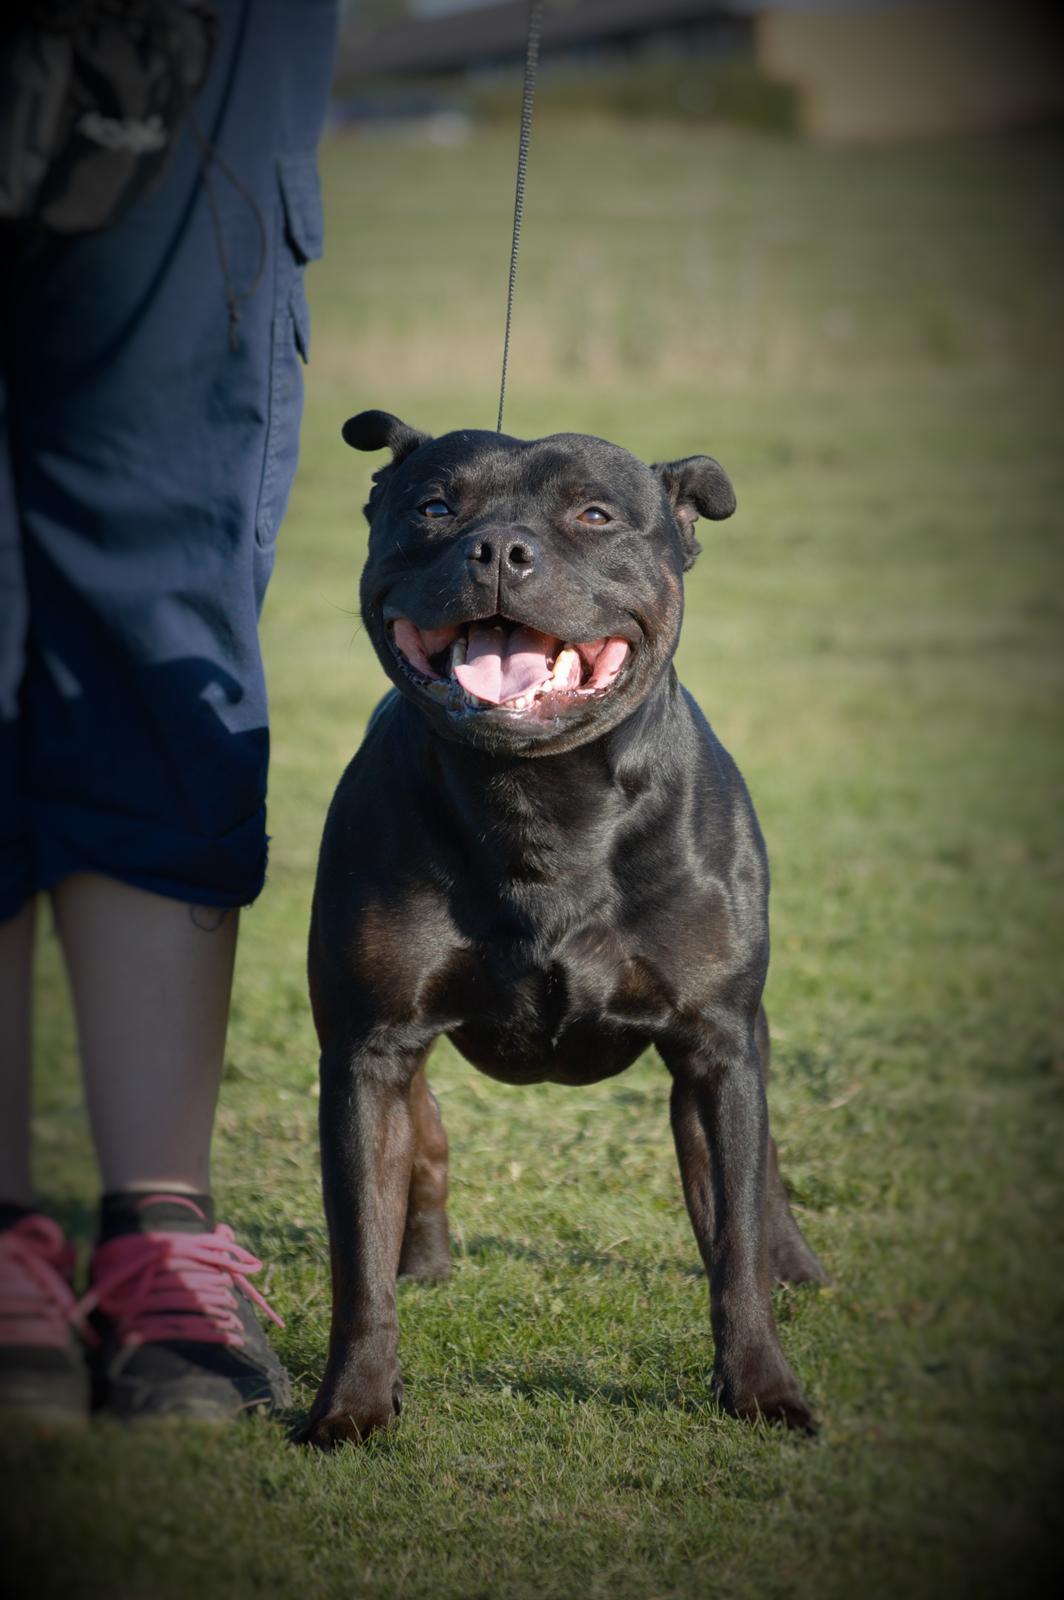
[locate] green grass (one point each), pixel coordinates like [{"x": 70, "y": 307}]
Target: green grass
[{"x": 871, "y": 342}]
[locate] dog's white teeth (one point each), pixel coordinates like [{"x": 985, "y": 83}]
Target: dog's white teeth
[
  {"x": 521, "y": 703},
  {"x": 458, "y": 652},
  {"x": 566, "y": 667}
]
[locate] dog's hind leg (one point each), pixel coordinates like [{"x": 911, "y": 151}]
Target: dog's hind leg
[
  {"x": 790, "y": 1258},
  {"x": 426, "y": 1251}
]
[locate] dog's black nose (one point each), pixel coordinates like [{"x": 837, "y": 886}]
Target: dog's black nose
[{"x": 518, "y": 557}]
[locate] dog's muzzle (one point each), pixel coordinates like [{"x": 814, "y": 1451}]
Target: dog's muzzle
[{"x": 498, "y": 662}]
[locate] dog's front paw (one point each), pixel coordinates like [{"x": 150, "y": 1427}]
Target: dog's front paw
[
  {"x": 765, "y": 1388},
  {"x": 341, "y": 1419}
]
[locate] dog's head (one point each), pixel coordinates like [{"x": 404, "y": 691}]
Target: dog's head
[{"x": 527, "y": 594}]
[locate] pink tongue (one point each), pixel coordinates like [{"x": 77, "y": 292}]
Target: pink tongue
[{"x": 500, "y": 666}]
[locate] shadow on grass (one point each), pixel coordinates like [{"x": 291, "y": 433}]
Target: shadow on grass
[
  {"x": 482, "y": 1246},
  {"x": 279, "y": 1242},
  {"x": 568, "y": 1383},
  {"x": 572, "y": 1383}
]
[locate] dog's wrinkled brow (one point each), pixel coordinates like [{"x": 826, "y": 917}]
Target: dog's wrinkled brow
[
  {"x": 459, "y": 482},
  {"x": 540, "y": 472}
]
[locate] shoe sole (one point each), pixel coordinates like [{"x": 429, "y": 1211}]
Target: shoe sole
[
  {"x": 43, "y": 1412},
  {"x": 205, "y": 1414},
  {"x": 161, "y": 1407}
]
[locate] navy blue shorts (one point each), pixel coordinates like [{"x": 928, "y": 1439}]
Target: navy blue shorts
[{"x": 145, "y": 462}]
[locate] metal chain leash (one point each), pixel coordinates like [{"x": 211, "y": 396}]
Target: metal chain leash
[{"x": 535, "y": 18}]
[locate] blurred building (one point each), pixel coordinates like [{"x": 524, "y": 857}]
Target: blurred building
[
  {"x": 458, "y": 38},
  {"x": 923, "y": 67},
  {"x": 853, "y": 70}
]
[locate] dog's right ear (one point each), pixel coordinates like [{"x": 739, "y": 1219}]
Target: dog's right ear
[
  {"x": 379, "y": 430},
  {"x": 697, "y": 486}
]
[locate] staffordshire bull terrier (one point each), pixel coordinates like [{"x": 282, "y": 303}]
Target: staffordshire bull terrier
[{"x": 542, "y": 851}]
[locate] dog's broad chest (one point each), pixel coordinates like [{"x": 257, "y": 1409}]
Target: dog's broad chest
[
  {"x": 571, "y": 1010},
  {"x": 537, "y": 980}
]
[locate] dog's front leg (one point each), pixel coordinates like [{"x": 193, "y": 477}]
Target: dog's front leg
[
  {"x": 720, "y": 1124},
  {"x": 367, "y": 1146}
]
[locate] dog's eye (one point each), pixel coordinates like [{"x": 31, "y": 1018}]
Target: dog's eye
[
  {"x": 595, "y": 515},
  {"x": 435, "y": 508}
]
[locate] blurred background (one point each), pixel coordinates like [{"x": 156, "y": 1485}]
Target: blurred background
[
  {"x": 768, "y": 165},
  {"x": 824, "y": 243}
]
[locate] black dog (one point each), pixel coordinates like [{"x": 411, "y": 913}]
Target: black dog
[{"x": 542, "y": 851}]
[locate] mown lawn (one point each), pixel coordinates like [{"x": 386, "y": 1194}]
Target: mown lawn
[{"x": 871, "y": 343}]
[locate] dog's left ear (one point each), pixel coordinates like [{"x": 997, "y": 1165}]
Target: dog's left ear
[
  {"x": 379, "y": 430},
  {"x": 696, "y": 487}
]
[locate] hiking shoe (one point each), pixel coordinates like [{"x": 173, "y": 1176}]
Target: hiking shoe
[
  {"x": 43, "y": 1373},
  {"x": 175, "y": 1314}
]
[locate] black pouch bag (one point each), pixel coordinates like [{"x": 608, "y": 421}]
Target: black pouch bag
[{"x": 92, "y": 94}]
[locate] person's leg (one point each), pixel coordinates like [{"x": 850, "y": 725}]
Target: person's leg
[
  {"x": 156, "y": 384},
  {"x": 155, "y": 445},
  {"x": 151, "y": 979},
  {"x": 17, "y": 899},
  {"x": 16, "y": 963},
  {"x": 42, "y": 1370}
]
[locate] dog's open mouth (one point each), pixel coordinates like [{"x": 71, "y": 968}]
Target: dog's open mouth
[{"x": 502, "y": 663}]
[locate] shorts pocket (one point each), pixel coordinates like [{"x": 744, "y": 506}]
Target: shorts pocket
[{"x": 299, "y": 240}]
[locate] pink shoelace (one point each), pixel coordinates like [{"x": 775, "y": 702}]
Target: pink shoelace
[
  {"x": 38, "y": 1307},
  {"x": 160, "y": 1286}
]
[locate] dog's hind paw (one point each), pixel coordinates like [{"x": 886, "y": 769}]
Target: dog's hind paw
[
  {"x": 793, "y": 1261},
  {"x": 426, "y": 1252}
]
